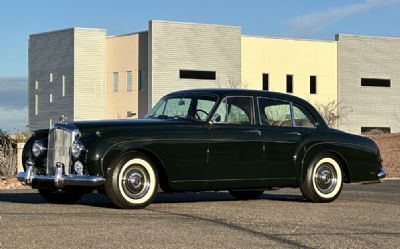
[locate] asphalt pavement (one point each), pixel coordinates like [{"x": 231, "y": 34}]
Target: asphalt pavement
[{"x": 364, "y": 216}]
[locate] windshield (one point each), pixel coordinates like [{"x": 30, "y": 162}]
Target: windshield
[{"x": 187, "y": 106}]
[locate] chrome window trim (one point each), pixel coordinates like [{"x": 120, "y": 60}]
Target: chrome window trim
[
  {"x": 252, "y": 122},
  {"x": 291, "y": 114}
]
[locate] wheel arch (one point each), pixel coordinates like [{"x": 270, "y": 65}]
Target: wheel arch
[
  {"x": 329, "y": 149},
  {"x": 159, "y": 165}
]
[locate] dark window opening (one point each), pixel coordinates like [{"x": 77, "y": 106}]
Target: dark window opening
[
  {"x": 289, "y": 83},
  {"x": 375, "y": 130},
  {"x": 375, "y": 82},
  {"x": 313, "y": 84},
  {"x": 265, "y": 81},
  {"x": 201, "y": 75}
]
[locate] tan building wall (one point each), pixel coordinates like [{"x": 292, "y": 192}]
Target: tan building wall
[
  {"x": 279, "y": 57},
  {"x": 122, "y": 56}
]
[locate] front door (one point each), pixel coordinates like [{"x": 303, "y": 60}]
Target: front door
[{"x": 235, "y": 152}]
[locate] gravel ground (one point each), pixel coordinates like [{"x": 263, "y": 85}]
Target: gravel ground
[
  {"x": 389, "y": 146},
  {"x": 11, "y": 183}
]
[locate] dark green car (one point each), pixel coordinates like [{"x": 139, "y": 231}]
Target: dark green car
[{"x": 242, "y": 141}]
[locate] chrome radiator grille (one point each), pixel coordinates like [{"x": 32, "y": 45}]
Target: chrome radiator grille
[{"x": 59, "y": 150}]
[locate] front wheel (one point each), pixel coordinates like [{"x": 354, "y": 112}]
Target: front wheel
[
  {"x": 324, "y": 179},
  {"x": 132, "y": 181}
]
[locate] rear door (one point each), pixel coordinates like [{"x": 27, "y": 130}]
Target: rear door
[{"x": 283, "y": 125}]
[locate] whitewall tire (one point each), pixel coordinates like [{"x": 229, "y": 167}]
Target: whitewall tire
[
  {"x": 132, "y": 182},
  {"x": 324, "y": 179}
]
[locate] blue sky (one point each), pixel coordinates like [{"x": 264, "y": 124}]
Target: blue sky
[{"x": 319, "y": 19}]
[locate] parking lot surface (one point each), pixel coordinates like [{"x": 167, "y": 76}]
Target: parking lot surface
[{"x": 364, "y": 216}]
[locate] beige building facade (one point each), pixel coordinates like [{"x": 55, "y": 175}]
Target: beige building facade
[
  {"x": 124, "y": 75},
  {"x": 271, "y": 63},
  {"x": 82, "y": 74}
]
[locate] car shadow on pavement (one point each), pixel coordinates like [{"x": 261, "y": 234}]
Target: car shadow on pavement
[{"x": 99, "y": 200}]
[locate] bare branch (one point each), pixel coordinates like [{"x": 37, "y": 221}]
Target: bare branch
[{"x": 333, "y": 112}]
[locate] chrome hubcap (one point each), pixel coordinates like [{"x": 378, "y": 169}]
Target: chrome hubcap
[
  {"x": 325, "y": 178},
  {"x": 135, "y": 181}
]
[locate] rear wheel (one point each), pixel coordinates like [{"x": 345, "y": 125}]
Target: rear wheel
[
  {"x": 246, "y": 194},
  {"x": 132, "y": 182},
  {"x": 60, "y": 196},
  {"x": 324, "y": 179}
]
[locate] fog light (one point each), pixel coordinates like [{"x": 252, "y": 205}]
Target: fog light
[{"x": 78, "y": 168}]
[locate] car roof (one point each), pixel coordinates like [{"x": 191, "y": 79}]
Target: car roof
[
  {"x": 237, "y": 91},
  {"x": 222, "y": 92}
]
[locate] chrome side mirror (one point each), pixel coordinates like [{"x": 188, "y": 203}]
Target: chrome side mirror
[{"x": 216, "y": 118}]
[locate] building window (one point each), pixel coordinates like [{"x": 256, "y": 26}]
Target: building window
[
  {"x": 63, "y": 85},
  {"x": 289, "y": 83},
  {"x": 115, "y": 82},
  {"x": 51, "y": 77},
  {"x": 142, "y": 79},
  {"x": 375, "y": 130},
  {"x": 265, "y": 81},
  {"x": 375, "y": 82},
  {"x": 36, "y": 84},
  {"x": 51, "y": 98},
  {"x": 313, "y": 84},
  {"x": 200, "y": 75},
  {"x": 129, "y": 81},
  {"x": 36, "y": 104}
]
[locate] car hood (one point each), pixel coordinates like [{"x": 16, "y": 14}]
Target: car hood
[{"x": 126, "y": 123}]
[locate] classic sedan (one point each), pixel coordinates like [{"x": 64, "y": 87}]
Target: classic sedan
[{"x": 243, "y": 141}]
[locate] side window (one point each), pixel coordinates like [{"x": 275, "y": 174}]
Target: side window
[
  {"x": 177, "y": 107},
  {"x": 302, "y": 118},
  {"x": 203, "y": 108},
  {"x": 235, "y": 110},
  {"x": 274, "y": 112}
]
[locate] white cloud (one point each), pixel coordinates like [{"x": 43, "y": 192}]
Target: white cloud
[
  {"x": 13, "y": 92},
  {"x": 13, "y": 118},
  {"x": 317, "y": 21}
]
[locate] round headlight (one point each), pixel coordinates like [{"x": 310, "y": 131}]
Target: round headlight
[
  {"x": 38, "y": 148},
  {"x": 76, "y": 149}
]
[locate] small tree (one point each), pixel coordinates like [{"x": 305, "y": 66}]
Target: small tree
[
  {"x": 232, "y": 83},
  {"x": 333, "y": 112},
  {"x": 8, "y": 155}
]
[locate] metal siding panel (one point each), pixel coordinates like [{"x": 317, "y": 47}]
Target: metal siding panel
[
  {"x": 176, "y": 46},
  {"x": 89, "y": 76},
  {"x": 373, "y": 57},
  {"x": 50, "y": 52}
]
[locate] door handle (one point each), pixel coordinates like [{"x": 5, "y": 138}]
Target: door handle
[
  {"x": 293, "y": 133},
  {"x": 255, "y": 131}
]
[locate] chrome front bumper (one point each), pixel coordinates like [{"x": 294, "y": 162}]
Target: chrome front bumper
[{"x": 59, "y": 179}]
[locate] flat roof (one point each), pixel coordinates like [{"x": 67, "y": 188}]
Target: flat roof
[
  {"x": 288, "y": 38},
  {"x": 196, "y": 23},
  {"x": 369, "y": 36},
  {"x": 66, "y": 29}
]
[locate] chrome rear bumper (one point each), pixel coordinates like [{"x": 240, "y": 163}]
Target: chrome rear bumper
[
  {"x": 381, "y": 173},
  {"x": 59, "y": 179}
]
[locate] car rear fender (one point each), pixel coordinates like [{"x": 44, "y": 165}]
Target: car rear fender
[{"x": 307, "y": 153}]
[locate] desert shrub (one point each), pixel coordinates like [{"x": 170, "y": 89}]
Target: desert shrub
[{"x": 8, "y": 155}]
